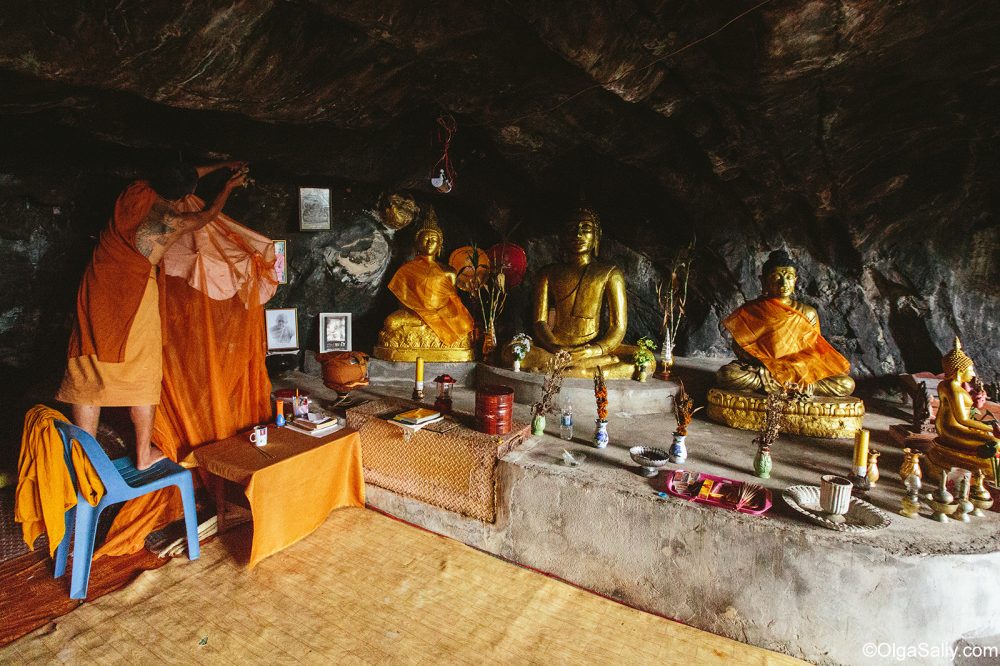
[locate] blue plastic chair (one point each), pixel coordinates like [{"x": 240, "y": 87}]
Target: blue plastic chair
[{"x": 122, "y": 481}]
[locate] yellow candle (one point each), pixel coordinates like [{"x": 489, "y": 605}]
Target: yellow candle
[
  {"x": 420, "y": 370},
  {"x": 861, "y": 452}
]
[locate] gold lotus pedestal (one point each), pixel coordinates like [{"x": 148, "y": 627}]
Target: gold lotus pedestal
[{"x": 827, "y": 417}]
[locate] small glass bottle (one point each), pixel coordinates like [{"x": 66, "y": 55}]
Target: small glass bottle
[{"x": 566, "y": 421}]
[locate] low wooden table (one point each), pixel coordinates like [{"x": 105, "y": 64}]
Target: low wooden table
[{"x": 292, "y": 484}]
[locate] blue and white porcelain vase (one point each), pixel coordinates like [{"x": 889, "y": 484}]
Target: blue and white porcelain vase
[
  {"x": 678, "y": 449},
  {"x": 600, "y": 433}
]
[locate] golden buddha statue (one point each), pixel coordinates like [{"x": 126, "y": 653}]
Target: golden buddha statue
[
  {"x": 778, "y": 344},
  {"x": 958, "y": 434},
  {"x": 567, "y": 302},
  {"x": 432, "y": 323},
  {"x": 777, "y": 341}
]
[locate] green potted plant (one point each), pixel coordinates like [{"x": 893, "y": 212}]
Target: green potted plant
[{"x": 644, "y": 357}]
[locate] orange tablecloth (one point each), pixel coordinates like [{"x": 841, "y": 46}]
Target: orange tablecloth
[{"x": 293, "y": 492}]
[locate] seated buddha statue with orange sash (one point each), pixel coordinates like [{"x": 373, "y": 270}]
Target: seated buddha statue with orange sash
[
  {"x": 432, "y": 323},
  {"x": 778, "y": 343}
]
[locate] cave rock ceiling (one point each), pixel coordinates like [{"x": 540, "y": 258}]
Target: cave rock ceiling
[{"x": 862, "y": 135}]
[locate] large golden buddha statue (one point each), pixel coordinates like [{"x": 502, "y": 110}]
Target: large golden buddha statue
[
  {"x": 778, "y": 344},
  {"x": 959, "y": 435},
  {"x": 777, "y": 341},
  {"x": 432, "y": 323},
  {"x": 567, "y": 302}
]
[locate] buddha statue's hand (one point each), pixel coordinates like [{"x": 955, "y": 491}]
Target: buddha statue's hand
[{"x": 586, "y": 351}]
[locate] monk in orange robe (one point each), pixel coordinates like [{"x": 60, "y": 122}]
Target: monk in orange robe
[
  {"x": 426, "y": 289},
  {"x": 778, "y": 343},
  {"x": 115, "y": 350}
]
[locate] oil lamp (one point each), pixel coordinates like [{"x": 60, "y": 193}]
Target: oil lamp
[{"x": 443, "y": 401}]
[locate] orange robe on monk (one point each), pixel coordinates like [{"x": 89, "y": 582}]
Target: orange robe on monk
[
  {"x": 785, "y": 342},
  {"x": 424, "y": 287}
]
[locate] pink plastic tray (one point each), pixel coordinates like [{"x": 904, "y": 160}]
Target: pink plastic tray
[{"x": 718, "y": 496}]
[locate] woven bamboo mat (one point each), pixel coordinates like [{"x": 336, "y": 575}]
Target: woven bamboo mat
[
  {"x": 366, "y": 589},
  {"x": 455, "y": 470}
]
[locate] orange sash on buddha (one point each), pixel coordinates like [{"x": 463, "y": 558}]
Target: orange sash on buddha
[
  {"x": 785, "y": 342},
  {"x": 114, "y": 282},
  {"x": 423, "y": 287}
]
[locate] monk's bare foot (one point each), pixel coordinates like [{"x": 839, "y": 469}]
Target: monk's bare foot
[{"x": 144, "y": 462}]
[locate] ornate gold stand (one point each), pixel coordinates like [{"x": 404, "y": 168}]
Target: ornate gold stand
[
  {"x": 831, "y": 418},
  {"x": 940, "y": 458}
]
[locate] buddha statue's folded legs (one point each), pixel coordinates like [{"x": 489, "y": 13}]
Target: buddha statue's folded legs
[
  {"x": 537, "y": 359},
  {"x": 746, "y": 376}
]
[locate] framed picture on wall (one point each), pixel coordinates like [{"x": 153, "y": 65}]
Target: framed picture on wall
[
  {"x": 314, "y": 209},
  {"x": 334, "y": 331},
  {"x": 282, "y": 329},
  {"x": 281, "y": 261}
]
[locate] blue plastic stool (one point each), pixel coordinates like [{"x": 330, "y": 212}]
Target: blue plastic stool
[{"x": 122, "y": 482}]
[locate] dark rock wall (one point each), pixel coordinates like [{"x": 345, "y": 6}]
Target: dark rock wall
[{"x": 861, "y": 135}]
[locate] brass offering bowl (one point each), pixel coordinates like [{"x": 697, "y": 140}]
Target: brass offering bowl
[{"x": 650, "y": 459}]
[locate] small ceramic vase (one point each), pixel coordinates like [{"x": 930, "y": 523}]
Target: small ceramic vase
[
  {"x": 640, "y": 373},
  {"x": 762, "y": 464},
  {"x": 678, "y": 449},
  {"x": 835, "y": 496},
  {"x": 538, "y": 425},
  {"x": 873, "y": 475},
  {"x": 600, "y": 433},
  {"x": 517, "y": 365},
  {"x": 911, "y": 465}
]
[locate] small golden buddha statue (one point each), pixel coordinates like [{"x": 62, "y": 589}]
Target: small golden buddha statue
[
  {"x": 432, "y": 323},
  {"x": 567, "y": 302},
  {"x": 958, "y": 434},
  {"x": 777, "y": 341}
]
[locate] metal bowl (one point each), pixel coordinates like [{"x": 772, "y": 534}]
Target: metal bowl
[{"x": 649, "y": 458}]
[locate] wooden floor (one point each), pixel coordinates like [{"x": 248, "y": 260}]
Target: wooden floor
[{"x": 31, "y": 598}]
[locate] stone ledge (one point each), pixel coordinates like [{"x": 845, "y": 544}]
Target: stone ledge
[
  {"x": 830, "y": 418},
  {"x": 654, "y": 396}
]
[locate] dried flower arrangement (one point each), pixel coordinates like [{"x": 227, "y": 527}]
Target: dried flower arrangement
[
  {"x": 684, "y": 410},
  {"x": 601, "y": 394},
  {"x": 553, "y": 383},
  {"x": 672, "y": 298},
  {"x": 774, "y": 419}
]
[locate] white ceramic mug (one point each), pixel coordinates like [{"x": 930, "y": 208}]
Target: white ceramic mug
[
  {"x": 259, "y": 435},
  {"x": 835, "y": 494}
]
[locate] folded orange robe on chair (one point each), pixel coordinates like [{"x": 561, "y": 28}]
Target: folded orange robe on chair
[
  {"x": 45, "y": 490},
  {"x": 785, "y": 342}
]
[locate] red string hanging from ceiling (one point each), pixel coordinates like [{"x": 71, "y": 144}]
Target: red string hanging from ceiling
[{"x": 443, "y": 174}]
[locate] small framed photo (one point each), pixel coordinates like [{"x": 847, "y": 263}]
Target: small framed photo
[
  {"x": 281, "y": 261},
  {"x": 334, "y": 331},
  {"x": 314, "y": 209},
  {"x": 282, "y": 329}
]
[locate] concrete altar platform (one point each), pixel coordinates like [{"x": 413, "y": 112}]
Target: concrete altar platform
[
  {"x": 654, "y": 396},
  {"x": 774, "y": 581}
]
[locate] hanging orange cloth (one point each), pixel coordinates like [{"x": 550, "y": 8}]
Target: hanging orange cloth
[
  {"x": 785, "y": 342},
  {"x": 422, "y": 286},
  {"x": 45, "y": 490},
  {"x": 214, "y": 379}
]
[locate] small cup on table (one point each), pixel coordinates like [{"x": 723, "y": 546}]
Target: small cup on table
[{"x": 835, "y": 497}]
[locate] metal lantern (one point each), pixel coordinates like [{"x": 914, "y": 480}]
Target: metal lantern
[{"x": 445, "y": 383}]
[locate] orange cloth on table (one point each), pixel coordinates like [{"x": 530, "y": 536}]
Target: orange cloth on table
[
  {"x": 293, "y": 492},
  {"x": 114, "y": 282},
  {"x": 214, "y": 379},
  {"x": 422, "y": 286},
  {"x": 785, "y": 342},
  {"x": 45, "y": 489}
]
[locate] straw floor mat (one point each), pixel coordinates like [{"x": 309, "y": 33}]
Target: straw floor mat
[{"x": 365, "y": 589}]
